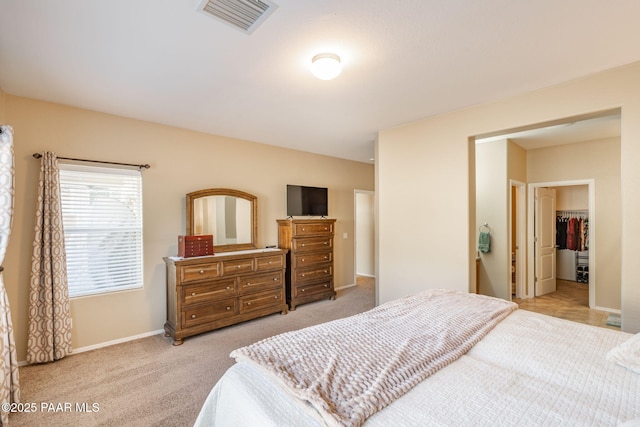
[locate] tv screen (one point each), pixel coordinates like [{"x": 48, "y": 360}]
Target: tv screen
[{"x": 306, "y": 201}]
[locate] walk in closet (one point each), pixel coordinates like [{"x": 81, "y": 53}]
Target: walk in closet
[{"x": 572, "y": 243}]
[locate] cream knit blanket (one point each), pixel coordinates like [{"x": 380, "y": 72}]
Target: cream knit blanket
[
  {"x": 351, "y": 368},
  {"x": 627, "y": 354}
]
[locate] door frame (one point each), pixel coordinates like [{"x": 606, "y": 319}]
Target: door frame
[
  {"x": 590, "y": 183},
  {"x": 521, "y": 235},
  {"x": 356, "y": 221}
]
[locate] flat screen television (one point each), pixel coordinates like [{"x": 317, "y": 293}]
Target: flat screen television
[{"x": 307, "y": 201}]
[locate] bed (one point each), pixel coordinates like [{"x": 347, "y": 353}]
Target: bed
[{"x": 504, "y": 366}]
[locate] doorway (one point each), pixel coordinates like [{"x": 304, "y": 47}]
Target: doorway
[
  {"x": 518, "y": 230},
  {"x": 364, "y": 239},
  {"x": 565, "y": 205},
  {"x": 569, "y": 151}
]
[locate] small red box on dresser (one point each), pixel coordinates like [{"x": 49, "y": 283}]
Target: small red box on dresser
[{"x": 191, "y": 246}]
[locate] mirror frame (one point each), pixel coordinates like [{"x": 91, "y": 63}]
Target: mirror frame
[{"x": 191, "y": 197}]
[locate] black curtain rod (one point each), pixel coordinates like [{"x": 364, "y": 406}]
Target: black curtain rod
[{"x": 145, "y": 166}]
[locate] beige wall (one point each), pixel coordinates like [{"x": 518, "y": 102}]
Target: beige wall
[
  {"x": 496, "y": 164},
  {"x": 492, "y": 186},
  {"x": 426, "y": 168},
  {"x": 600, "y": 161},
  {"x": 575, "y": 197},
  {"x": 181, "y": 161},
  {"x": 516, "y": 162}
]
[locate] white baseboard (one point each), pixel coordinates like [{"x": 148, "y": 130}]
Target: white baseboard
[
  {"x": 345, "y": 286},
  {"x": 106, "y": 344},
  {"x": 118, "y": 341},
  {"x": 365, "y": 275},
  {"x": 608, "y": 310}
]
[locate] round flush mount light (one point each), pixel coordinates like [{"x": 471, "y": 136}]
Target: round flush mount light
[{"x": 326, "y": 66}]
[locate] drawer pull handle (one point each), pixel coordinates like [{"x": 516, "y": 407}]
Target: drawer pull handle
[
  {"x": 302, "y": 275},
  {"x": 303, "y": 289},
  {"x": 326, "y": 243},
  {"x": 193, "y": 294},
  {"x": 326, "y": 286},
  {"x": 201, "y": 272},
  {"x": 275, "y": 297},
  {"x": 228, "y": 308},
  {"x": 326, "y": 257},
  {"x": 326, "y": 272},
  {"x": 193, "y": 316},
  {"x": 275, "y": 279},
  {"x": 238, "y": 266},
  {"x": 248, "y": 303},
  {"x": 248, "y": 283},
  {"x": 303, "y": 228},
  {"x": 303, "y": 245},
  {"x": 228, "y": 288},
  {"x": 270, "y": 262}
]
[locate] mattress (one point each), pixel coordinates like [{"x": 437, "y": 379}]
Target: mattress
[{"x": 530, "y": 370}]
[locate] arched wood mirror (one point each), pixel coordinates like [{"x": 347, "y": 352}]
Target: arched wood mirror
[{"x": 230, "y": 215}]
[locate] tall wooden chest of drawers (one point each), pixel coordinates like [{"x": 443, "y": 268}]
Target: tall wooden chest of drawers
[
  {"x": 310, "y": 260},
  {"x": 209, "y": 292}
]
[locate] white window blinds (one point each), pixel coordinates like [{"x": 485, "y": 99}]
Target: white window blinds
[{"x": 102, "y": 219}]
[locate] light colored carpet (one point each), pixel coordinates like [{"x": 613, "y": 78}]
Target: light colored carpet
[{"x": 149, "y": 382}]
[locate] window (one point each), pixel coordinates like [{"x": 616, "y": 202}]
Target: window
[{"x": 102, "y": 219}]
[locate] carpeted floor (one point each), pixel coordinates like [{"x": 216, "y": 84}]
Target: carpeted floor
[{"x": 149, "y": 382}]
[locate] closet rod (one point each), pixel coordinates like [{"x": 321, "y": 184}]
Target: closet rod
[
  {"x": 573, "y": 212},
  {"x": 145, "y": 166}
]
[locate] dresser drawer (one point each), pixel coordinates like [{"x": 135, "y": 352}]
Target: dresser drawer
[
  {"x": 312, "y": 229},
  {"x": 238, "y": 266},
  {"x": 262, "y": 300},
  {"x": 270, "y": 263},
  {"x": 260, "y": 282},
  {"x": 215, "y": 291},
  {"x": 312, "y": 244},
  {"x": 313, "y": 273},
  {"x": 205, "y": 292},
  {"x": 306, "y": 259},
  {"x": 203, "y": 313},
  {"x": 302, "y": 291},
  {"x": 199, "y": 272}
]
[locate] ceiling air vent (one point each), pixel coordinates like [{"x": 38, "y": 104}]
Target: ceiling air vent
[{"x": 246, "y": 15}]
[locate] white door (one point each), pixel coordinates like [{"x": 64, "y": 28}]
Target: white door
[{"x": 545, "y": 240}]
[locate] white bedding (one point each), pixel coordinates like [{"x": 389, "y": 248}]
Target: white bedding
[
  {"x": 351, "y": 368},
  {"x": 530, "y": 370}
]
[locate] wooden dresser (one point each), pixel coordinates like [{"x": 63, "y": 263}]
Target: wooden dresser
[
  {"x": 206, "y": 293},
  {"x": 310, "y": 259}
]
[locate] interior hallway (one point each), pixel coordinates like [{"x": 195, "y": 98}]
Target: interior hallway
[{"x": 570, "y": 301}]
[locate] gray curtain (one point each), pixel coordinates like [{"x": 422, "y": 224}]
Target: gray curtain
[
  {"x": 9, "y": 381},
  {"x": 49, "y": 336}
]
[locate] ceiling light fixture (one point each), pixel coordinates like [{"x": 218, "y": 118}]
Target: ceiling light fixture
[{"x": 326, "y": 66}]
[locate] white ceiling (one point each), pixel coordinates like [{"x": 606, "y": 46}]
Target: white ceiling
[
  {"x": 165, "y": 62},
  {"x": 573, "y": 131}
]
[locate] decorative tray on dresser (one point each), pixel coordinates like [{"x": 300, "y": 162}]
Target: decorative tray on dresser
[
  {"x": 310, "y": 259},
  {"x": 210, "y": 292}
]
